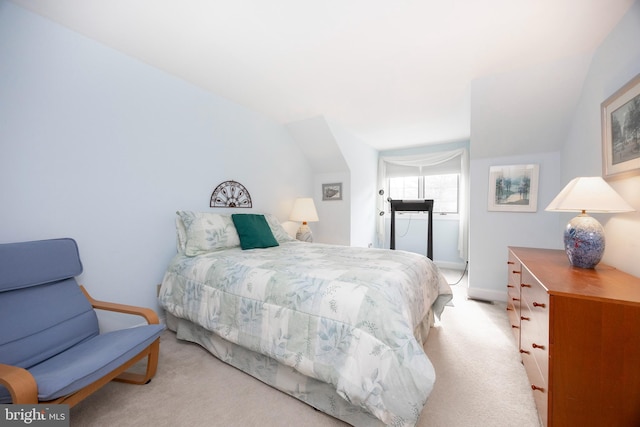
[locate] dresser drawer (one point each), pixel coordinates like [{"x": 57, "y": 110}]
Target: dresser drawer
[
  {"x": 513, "y": 310},
  {"x": 534, "y": 325},
  {"x": 513, "y": 295},
  {"x": 513, "y": 313},
  {"x": 514, "y": 275},
  {"x": 585, "y": 324},
  {"x": 539, "y": 386},
  {"x": 534, "y": 335}
]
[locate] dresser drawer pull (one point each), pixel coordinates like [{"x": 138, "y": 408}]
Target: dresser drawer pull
[
  {"x": 524, "y": 318},
  {"x": 525, "y": 285},
  {"x": 509, "y": 309},
  {"x": 515, "y": 326},
  {"x": 535, "y": 387},
  {"x": 516, "y": 299},
  {"x": 534, "y": 345},
  {"x": 525, "y": 351},
  {"x": 510, "y": 262},
  {"x": 516, "y": 272},
  {"x": 539, "y": 304},
  {"x": 510, "y": 286}
]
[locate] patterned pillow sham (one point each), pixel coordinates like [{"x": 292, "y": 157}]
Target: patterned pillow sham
[
  {"x": 277, "y": 229},
  {"x": 182, "y": 235},
  {"x": 208, "y": 232}
]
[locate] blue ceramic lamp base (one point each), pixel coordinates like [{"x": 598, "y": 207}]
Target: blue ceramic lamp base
[{"x": 584, "y": 241}]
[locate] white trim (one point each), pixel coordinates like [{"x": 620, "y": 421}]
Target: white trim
[
  {"x": 448, "y": 265},
  {"x": 419, "y": 216},
  {"x": 486, "y": 294}
]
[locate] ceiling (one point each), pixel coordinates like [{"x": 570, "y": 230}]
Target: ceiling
[{"x": 395, "y": 73}]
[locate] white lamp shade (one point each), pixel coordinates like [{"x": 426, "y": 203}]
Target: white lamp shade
[
  {"x": 304, "y": 210},
  {"x": 590, "y": 194}
]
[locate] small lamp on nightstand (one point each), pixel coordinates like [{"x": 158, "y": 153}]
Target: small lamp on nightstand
[
  {"x": 584, "y": 236},
  {"x": 304, "y": 210}
]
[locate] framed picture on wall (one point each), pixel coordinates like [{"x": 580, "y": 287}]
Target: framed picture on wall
[
  {"x": 513, "y": 188},
  {"x": 621, "y": 131},
  {"x": 332, "y": 191}
]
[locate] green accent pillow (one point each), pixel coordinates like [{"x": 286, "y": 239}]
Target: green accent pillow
[{"x": 254, "y": 231}]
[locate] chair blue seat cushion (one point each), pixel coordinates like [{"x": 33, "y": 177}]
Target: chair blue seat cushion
[{"x": 88, "y": 361}]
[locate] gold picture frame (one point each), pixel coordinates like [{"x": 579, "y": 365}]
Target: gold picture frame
[{"x": 621, "y": 131}]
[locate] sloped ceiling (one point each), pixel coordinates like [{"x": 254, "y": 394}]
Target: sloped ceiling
[
  {"x": 318, "y": 143},
  {"x": 526, "y": 111},
  {"x": 395, "y": 73}
]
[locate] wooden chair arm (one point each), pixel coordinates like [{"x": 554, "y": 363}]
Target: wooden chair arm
[
  {"x": 147, "y": 313},
  {"x": 20, "y": 383}
]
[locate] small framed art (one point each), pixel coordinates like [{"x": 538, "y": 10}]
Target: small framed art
[
  {"x": 621, "y": 131},
  {"x": 332, "y": 191},
  {"x": 513, "y": 188}
]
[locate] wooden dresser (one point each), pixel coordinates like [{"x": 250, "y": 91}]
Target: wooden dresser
[{"x": 578, "y": 331}]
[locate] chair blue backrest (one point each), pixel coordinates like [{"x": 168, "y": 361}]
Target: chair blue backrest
[{"x": 42, "y": 309}]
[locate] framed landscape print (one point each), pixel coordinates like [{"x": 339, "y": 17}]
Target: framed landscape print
[
  {"x": 513, "y": 188},
  {"x": 332, "y": 191},
  {"x": 621, "y": 131}
]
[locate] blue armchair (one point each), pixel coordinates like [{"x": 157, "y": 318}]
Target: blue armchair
[{"x": 51, "y": 349}]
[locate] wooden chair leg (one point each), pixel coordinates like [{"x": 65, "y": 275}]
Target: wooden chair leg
[{"x": 152, "y": 353}]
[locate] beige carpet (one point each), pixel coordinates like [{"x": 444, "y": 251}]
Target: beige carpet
[{"x": 480, "y": 382}]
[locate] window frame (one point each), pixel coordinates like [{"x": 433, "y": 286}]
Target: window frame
[{"x": 421, "y": 193}]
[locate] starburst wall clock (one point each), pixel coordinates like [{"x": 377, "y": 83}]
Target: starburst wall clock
[{"x": 230, "y": 194}]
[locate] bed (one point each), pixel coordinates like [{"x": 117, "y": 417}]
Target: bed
[{"x": 340, "y": 328}]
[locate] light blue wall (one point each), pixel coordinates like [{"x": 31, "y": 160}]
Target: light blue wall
[
  {"x": 411, "y": 235},
  {"x": 614, "y": 63},
  {"x": 103, "y": 148},
  {"x": 100, "y": 147},
  {"x": 491, "y": 232}
]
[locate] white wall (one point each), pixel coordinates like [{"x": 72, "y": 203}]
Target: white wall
[
  {"x": 363, "y": 168},
  {"x": 337, "y": 156},
  {"x": 100, "y": 147},
  {"x": 327, "y": 165},
  {"x": 334, "y": 226},
  {"x": 614, "y": 63}
]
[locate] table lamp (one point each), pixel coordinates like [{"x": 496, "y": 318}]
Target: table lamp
[
  {"x": 584, "y": 235},
  {"x": 304, "y": 210}
]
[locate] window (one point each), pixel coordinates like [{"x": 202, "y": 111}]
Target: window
[{"x": 443, "y": 189}]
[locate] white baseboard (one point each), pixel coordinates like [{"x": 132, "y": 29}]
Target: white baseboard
[
  {"x": 486, "y": 294},
  {"x": 450, "y": 265}
]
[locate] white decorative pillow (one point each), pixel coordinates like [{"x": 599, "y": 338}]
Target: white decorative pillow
[
  {"x": 207, "y": 232},
  {"x": 277, "y": 229},
  {"x": 181, "y": 235}
]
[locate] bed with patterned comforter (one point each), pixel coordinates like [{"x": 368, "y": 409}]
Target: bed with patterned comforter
[{"x": 340, "y": 328}]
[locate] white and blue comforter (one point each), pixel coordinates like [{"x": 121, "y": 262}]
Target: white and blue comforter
[{"x": 342, "y": 315}]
